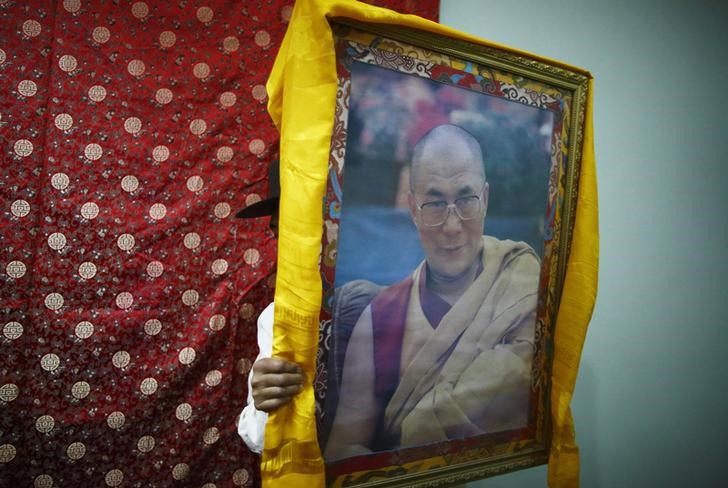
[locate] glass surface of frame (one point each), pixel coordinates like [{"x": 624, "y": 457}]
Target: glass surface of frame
[{"x": 447, "y": 224}]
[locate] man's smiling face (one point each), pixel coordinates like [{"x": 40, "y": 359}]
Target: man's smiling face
[{"x": 445, "y": 171}]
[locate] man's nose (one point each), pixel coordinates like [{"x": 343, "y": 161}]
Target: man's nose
[{"x": 453, "y": 222}]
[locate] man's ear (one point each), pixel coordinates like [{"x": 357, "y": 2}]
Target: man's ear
[
  {"x": 486, "y": 188},
  {"x": 412, "y": 206}
]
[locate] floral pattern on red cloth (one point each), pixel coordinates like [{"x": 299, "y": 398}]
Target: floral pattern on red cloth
[{"x": 131, "y": 132}]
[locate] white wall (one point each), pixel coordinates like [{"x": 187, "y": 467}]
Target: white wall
[{"x": 651, "y": 400}]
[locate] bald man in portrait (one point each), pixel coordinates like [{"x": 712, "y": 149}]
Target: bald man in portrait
[{"x": 445, "y": 353}]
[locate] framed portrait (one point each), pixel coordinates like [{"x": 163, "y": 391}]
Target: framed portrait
[{"x": 448, "y": 218}]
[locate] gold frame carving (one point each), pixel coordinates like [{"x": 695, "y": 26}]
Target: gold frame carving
[{"x": 568, "y": 86}]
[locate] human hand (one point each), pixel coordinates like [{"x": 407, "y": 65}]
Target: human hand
[{"x": 274, "y": 382}]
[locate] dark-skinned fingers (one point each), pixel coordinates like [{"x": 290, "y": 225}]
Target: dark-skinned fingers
[
  {"x": 269, "y": 380},
  {"x": 272, "y": 392},
  {"x": 273, "y": 397},
  {"x": 275, "y": 365},
  {"x": 272, "y": 404}
]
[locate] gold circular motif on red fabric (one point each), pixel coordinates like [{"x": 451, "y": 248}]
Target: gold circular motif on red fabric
[
  {"x": 190, "y": 297},
  {"x": 43, "y": 481},
  {"x": 80, "y": 390},
  {"x": 211, "y": 436},
  {"x": 129, "y": 183},
  {"x": 124, "y": 300},
  {"x": 93, "y": 151},
  {"x": 180, "y": 471},
  {"x": 89, "y": 210},
  {"x": 7, "y": 453},
  {"x": 219, "y": 266},
  {"x": 217, "y": 322},
  {"x": 246, "y": 311},
  {"x": 125, "y": 242},
  {"x": 114, "y": 478},
  {"x": 224, "y": 154},
  {"x": 12, "y": 330},
  {"x": 76, "y": 451},
  {"x": 146, "y": 443},
  {"x": 163, "y": 96},
  {"x": 262, "y": 38},
  {"x": 121, "y": 359},
  {"x": 45, "y": 424},
  {"x": 116, "y": 420},
  {"x": 9, "y": 392},
  {"x": 198, "y": 127},
  {"x": 256, "y": 146},
  {"x": 186, "y": 356},
  {"x": 63, "y": 121},
  {"x": 20, "y": 208},
  {"x": 23, "y": 147},
  {"x": 183, "y": 411},
  {"x": 87, "y": 270},
  {"x": 259, "y": 93},
  {"x": 201, "y": 70},
  {"x": 243, "y": 366},
  {"x": 251, "y": 256},
  {"x": 241, "y": 477},
  {"x": 84, "y": 329},
  {"x": 27, "y": 88},
  {"x": 191, "y": 240},
  {"x": 15, "y": 269},
  {"x": 157, "y": 211},
  {"x": 213, "y": 378},
  {"x": 227, "y": 99},
  {"x": 72, "y": 6},
  {"x": 230, "y": 44},
  {"x": 101, "y": 34},
  {"x": 160, "y": 154},
  {"x": 54, "y": 301},
  {"x": 148, "y": 386},
  {"x": 133, "y": 125},
  {"x": 136, "y": 67},
  {"x": 251, "y": 199},
  {"x": 155, "y": 269},
  {"x": 167, "y": 39},
  {"x": 56, "y": 241},
  {"x": 50, "y": 362},
  {"x": 140, "y": 10},
  {"x": 60, "y": 181},
  {"x": 67, "y": 63},
  {"x": 31, "y": 28},
  {"x": 152, "y": 327},
  {"x": 97, "y": 93},
  {"x": 194, "y": 183},
  {"x": 205, "y": 14},
  {"x": 222, "y": 210}
]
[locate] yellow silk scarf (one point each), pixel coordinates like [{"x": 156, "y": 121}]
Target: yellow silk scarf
[{"x": 302, "y": 91}]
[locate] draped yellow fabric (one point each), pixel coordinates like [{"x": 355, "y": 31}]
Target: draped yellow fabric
[
  {"x": 302, "y": 91},
  {"x": 575, "y": 309}
]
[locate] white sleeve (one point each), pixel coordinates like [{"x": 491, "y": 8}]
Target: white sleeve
[{"x": 251, "y": 425}]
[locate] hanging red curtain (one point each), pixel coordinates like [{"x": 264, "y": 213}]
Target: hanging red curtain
[{"x": 130, "y": 134}]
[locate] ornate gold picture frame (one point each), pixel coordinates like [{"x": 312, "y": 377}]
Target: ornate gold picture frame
[{"x": 449, "y": 161}]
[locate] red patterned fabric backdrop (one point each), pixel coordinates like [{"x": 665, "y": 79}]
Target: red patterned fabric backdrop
[{"x": 130, "y": 133}]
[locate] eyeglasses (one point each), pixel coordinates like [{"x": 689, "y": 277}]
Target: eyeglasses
[{"x": 435, "y": 213}]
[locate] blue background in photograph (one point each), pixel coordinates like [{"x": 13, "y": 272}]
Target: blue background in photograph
[{"x": 388, "y": 113}]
